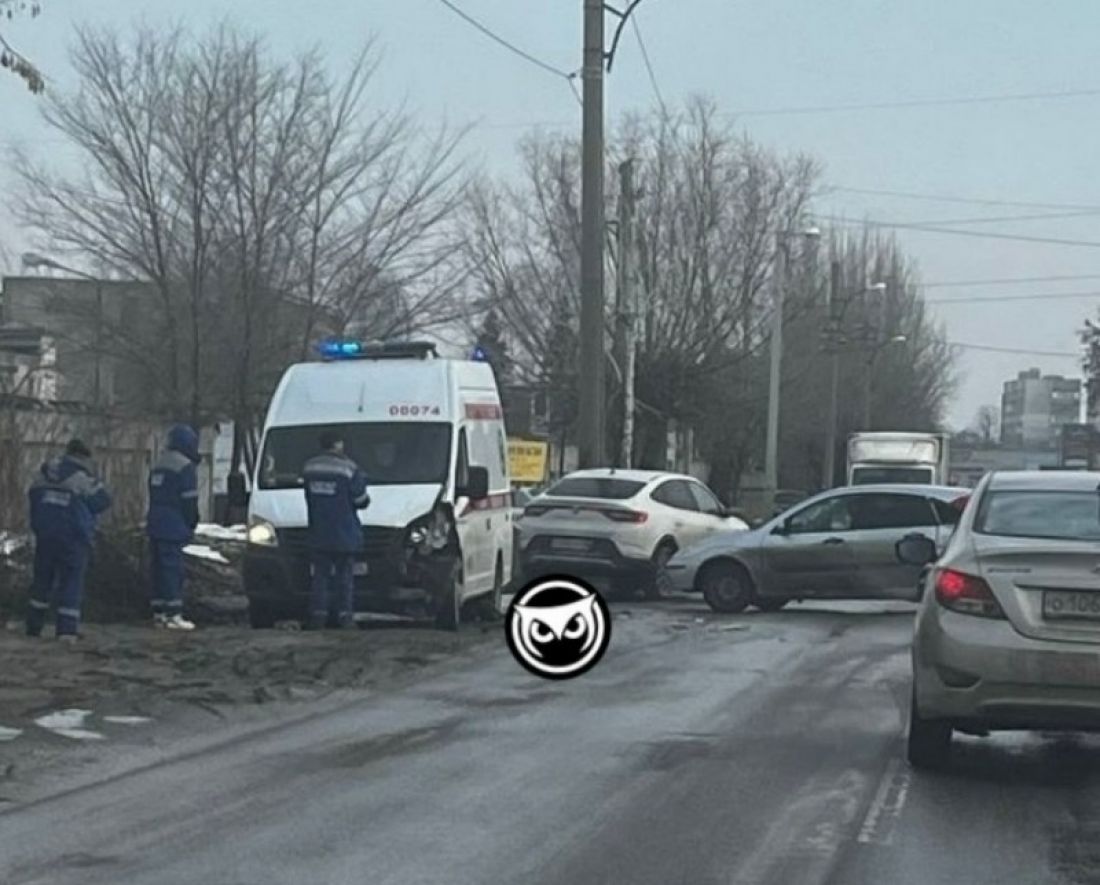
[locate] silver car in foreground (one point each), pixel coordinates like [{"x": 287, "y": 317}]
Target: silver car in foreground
[
  {"x": 1008, "y": 634},
  {"x": 837, "y": 545}
]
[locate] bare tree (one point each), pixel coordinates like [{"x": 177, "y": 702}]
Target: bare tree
[
  {"x": 263, "y": 203},
  {"x": 987, "y": 423}
]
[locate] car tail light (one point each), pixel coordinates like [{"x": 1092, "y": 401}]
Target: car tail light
[
  {"x": 966, "y": 594},
  {"x": 635, "y": 516}
]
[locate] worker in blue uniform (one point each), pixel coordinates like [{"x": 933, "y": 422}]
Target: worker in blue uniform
[
  {"x": 336, "y": 489},
  {"x": 65, "y": 499},
  {"x": 170, "y": 524}
]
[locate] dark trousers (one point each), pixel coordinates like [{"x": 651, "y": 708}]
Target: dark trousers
[
  {"x": 331, "y": 586},
  {"x": 166, "y": 570},
  {"x": 59, "y": 569}
]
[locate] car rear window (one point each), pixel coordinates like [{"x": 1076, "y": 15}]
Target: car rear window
[
  {"x": 1068, "y": 516},
  {"x": 596, "y": 487}
]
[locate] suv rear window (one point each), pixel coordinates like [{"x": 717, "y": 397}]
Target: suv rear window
[
  {"x": 1064, "y": 516},
  {"x": 596, "y": 487}
]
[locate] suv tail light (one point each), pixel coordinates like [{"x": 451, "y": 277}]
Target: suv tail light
[
  {"x": 966, "y": 594},
  {"x": 635, "y": 516}
]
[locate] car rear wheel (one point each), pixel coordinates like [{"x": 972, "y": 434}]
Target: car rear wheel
[
  {"x": 726, "y": 586},
  {"x": 929, "y": 743},
  {"x": 770, "y": 605}
]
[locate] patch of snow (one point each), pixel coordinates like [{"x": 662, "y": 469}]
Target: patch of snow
[
  {"x": 9, "y": 734},
  {"x": 63, "y": 719},
  {"x": 127, "y": 720},
  {"x": 221, "y": 532},
  {"x": 201, "y": 551},
  {"x": 11, "y": 544}
]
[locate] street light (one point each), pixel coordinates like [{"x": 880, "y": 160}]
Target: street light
[{"x": 775, "y": 349}]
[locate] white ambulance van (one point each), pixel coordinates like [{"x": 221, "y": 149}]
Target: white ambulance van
[{"x": 429, "y": 433}]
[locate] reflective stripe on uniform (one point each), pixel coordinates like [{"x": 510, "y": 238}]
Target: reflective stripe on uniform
[
  {"x": 192, "y": 493},
  {"x": 38, "y": 604},
  {"x": 69, "y": 612}
]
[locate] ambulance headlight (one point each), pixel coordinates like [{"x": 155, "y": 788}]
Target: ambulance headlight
[
  {"x": 430, "y": 532},
  {"x": 262, "y": 533}
]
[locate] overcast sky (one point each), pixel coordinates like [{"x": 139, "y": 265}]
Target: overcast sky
[{"x": 765, "y": 56}]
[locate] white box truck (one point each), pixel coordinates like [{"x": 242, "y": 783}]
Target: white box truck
[
  {"x": 898, "y": 457},
  {"x": 429, "y": 433}
]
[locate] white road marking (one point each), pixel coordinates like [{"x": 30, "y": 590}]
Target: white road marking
[
  {"x": 79, "y": 734},
  {"x": 9, "y": 734},
  {"x": 127, "y": 720},
  {"x": 881, "y": 819}
]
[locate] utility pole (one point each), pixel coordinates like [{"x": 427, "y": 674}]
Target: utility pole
[
  {"x": 833, "y": 348},
  {"x": 591, "y": 401},
  {"x": 775, "y": 351},
  {"x": 627, "y": 304}
]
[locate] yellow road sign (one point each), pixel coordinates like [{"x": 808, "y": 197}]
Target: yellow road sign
[{"x": 527, "y": 460}]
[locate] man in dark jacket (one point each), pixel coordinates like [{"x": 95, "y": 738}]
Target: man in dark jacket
[
  {"x": 65, "y": 500},
  {"x": 173, "y": 515},
  {"x": 335, "y": 490}
]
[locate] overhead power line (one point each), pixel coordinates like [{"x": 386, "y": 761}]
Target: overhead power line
[
  {"x": 972, "y": 201},
  {"x": 511, "y": 47},
  {"x": 1009, "y": 281},
  {"x": 649, "y": 66},
  {"x": 1009, "y": 219},
  {"x": 991, "y": 235},
  {"x": 1015, "y": 350},
  {"x": 919, "y": 103},
  {"x": 1042, "y": 296}
]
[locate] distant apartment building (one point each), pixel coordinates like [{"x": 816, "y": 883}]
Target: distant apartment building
[{"x": 1035, "y": 406}]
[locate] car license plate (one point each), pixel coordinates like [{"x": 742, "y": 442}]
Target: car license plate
[
  {"x": 570, "y": 545},
  {"x": 1071, "y": 605},
  {"x": 360, "y": 569}
]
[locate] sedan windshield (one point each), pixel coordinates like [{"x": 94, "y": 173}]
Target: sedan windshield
[
  {"x": 395, "y": 453},
  {"x": 1069, "y": 516}
]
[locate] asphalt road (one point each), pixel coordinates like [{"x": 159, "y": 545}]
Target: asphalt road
[{"x": 759, "y": 749}]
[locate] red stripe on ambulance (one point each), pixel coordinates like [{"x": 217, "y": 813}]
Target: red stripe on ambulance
[{"x": 483, "y": 411}]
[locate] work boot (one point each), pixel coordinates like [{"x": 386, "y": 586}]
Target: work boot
[
  {"x": 178, "y": 622},
  {"x": 160, "y": 620}
]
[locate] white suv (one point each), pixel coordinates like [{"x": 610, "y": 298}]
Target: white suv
[{"x": 623, "y": 524}]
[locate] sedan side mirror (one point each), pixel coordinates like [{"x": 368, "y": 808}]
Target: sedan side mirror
[
  {"x": 783, "y": 528},
  {"x": 916, "y": 550}
]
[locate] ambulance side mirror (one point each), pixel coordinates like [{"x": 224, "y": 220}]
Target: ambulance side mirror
[{"x": 477, "y": 484}]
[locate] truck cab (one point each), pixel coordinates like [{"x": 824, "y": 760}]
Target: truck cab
[{"x": 429, "y": 433}]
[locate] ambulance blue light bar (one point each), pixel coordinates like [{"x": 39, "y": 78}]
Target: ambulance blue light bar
[
  {"x": 480, "y": 355},
  {"x": 339, "y": 348},
  {"x": 353, "y": 349}
]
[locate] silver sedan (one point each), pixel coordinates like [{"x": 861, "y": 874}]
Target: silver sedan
[
  {"x": 1008, "y": 633},
  {"x": 836, "y": 545}
]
